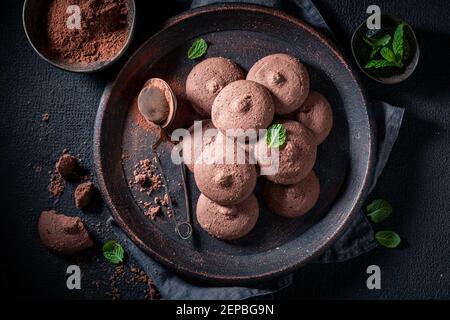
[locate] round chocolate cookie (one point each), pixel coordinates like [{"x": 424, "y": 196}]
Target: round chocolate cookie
[
  {"x": 194, "y": 144},
  {"x": 316, "y": 114},
  {"x": 242, "y": 105},
  {"x": 222, "y": 173},
  {"x": 296, "y": 157},
  {"x": 227, "y": 223},
  {"x": 292, "y": 200},
  {"x": 285, "y": 77},
  {"x": 207, "y": 79}
]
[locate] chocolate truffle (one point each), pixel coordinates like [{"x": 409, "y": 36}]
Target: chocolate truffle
[
  {"x": 292, "y": 200},
  {"x": 67, "y": 166},
  {"x": 193, "y": 145},
  {"x": 220, "y": 176},
  {"x": 227, "y": 222},
  {"x": 285, "y": 77},
  {"x": 316, "y": 114},
  {"x": 296, "y": 157},
  {"x": 242, "y": 105},
  {"x": 63, "y": 234},
  {"x": 83, "y": 194},
  {"x": 207, "y": 79}
]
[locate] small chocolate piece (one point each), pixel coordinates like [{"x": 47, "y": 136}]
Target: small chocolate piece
[
  {"x": 152, "y": 212},
  {"x": 83, "y": 194},
  {"x": 63, "y": 234},
  {"x": 140, "y": 179},
  {"x": 67, "y": 166},
  {"x": 56, "y": 185}
]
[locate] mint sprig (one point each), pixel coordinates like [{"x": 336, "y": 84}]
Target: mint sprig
[
  {"x": 378, "y": 210},
  {"x": 377, "y": 43},
  {"x": 197, "y": 49},
  {"x": 276, "y": 136},
  {"x": 113, "y": 252},
  {"x": 398, "y": 42},
  {"x": 391, "y": 54},
  {"x": 388, "y": 239}
]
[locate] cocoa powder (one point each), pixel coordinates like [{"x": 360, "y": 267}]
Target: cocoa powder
[{"x": 102, "y": 35}]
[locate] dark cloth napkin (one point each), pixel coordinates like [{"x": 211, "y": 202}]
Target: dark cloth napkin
[{"x": 357, "y": 239}]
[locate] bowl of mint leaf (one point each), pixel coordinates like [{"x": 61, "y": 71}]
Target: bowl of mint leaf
[{"x": 388, "y": 55}]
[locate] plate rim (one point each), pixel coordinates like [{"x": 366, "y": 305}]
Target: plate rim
[{"x": 217, "y": 278}]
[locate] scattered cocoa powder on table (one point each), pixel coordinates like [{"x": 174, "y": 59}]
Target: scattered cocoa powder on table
[{"x": 102, "y": 35}]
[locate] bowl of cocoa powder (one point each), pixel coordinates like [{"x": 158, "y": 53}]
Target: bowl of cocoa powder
[{"x": 80, "y": 35}]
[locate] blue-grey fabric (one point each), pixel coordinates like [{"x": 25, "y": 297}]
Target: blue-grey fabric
[{"x": 357, "y": 239}]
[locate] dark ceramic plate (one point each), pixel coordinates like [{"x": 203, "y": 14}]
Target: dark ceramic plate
[{"x": 277, "y": 245}]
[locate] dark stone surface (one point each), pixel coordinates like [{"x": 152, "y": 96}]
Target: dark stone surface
[{"x": 416, "y": 179}]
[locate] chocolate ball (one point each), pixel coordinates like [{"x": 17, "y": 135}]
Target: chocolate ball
[
  {"x": 285, "y": 77},
  {"x": 316, "y": 114},
  {"x": 242, "y": 105},
  {"x": 296, "y": 157},
  {"x": 227, "y": 222},
  {"x": 292, "y": 200},
  {"x": 207, "y": 79}
]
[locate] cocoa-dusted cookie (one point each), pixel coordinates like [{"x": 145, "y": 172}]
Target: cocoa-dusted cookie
[
  {"x": 242, "y": 105},
  {"x": 222, "y": 173},
  {"x": 207, "y": 79},
  {"x": 227, "y": 222},
  {"x": 63, "y": 234},
  {"x": 296, "y": 157},
  {"x": 316, "y": 114},
  {"x": 285, "y": 77},
  {"x": 292, "y": 200},
  {"x": 193, "y": 144}
]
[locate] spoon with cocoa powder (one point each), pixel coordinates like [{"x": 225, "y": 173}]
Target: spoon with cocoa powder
[{"x": 157, "y": 104}]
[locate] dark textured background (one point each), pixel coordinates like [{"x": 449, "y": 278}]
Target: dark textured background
[{"x": 416, "y": 179}]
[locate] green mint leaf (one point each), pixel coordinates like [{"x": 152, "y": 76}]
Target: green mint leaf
[
  {"x": 388, "y": 239},
  {"x": 383, "y": 41},
  {"x": 374, "y": 52},
  {"x": 197, "y": 49},
  {"x": 276, "y": 135},
  {"x": 397, "y": 42},
  {"x": 379, "y": 64},
  {"x": 368, "y": 41},
  {"x": 113, "y": 252},
  {"x": 387, "y": 54},
  {"x": 378, "y": 210}
]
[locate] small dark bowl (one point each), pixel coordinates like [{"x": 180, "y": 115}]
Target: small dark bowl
[
  {"x": 34, "y": 13},
  {"x": 361, "y": 51}
]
